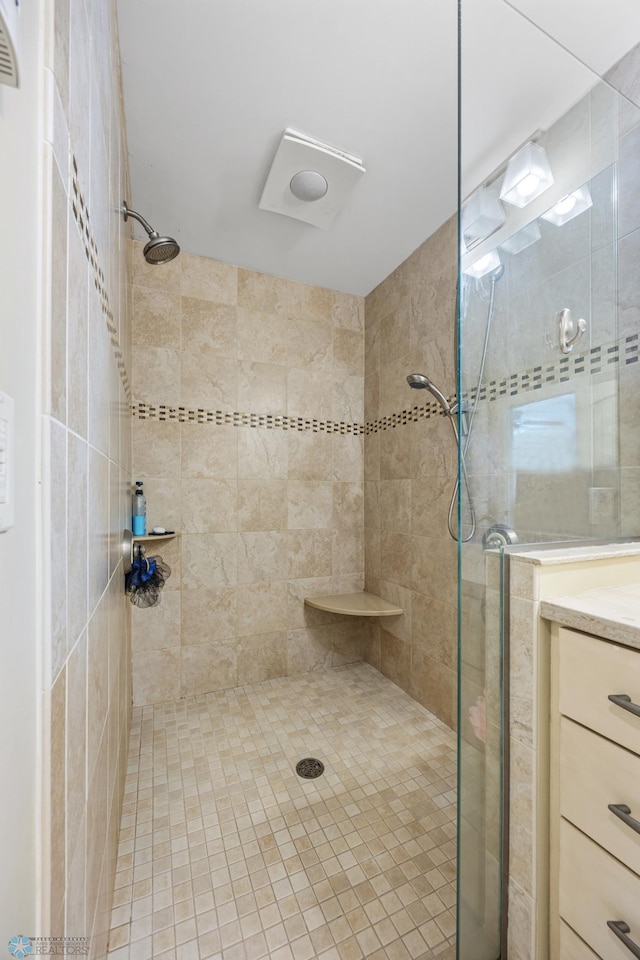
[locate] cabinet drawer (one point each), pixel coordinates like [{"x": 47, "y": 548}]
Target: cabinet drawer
[
  {"x": 590, "y": 670},
  {"x": 572, "y": 947},
  {"x": 594, "y": 888},
  {"x": 594, "y": 773}
]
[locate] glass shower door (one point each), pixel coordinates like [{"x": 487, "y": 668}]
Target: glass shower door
[{"x": 548, "y": 451}]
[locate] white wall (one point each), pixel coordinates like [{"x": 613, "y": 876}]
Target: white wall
[{"x": 19, "y": 596}]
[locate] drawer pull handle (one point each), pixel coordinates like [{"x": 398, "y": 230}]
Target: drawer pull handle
[
  {"x": 623, "y": 811},
  {"x": 624, "y": 701},
  {"x": 621, "y": 929}
]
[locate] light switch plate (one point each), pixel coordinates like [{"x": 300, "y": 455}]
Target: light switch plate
[{"x": 7, "y": 454}]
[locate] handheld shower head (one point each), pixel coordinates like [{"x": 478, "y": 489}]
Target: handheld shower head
[
  {"x": 158, "y": 249},
  {"x": 418, "y": 381}
]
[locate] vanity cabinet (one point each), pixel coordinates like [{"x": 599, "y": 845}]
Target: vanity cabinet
[{"x": 595, "y": 798}]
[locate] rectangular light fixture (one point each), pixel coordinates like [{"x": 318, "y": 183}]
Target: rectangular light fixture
[
  {"x": 483, "y": 266},
  {"x": 522, "y": 239},
  {"x": 482, "y": 215},
  {"x": 569, "y": 207},
  {"x": 527, "y": 176}
]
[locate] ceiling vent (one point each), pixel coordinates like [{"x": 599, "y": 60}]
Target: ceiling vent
[
  {"x": 8, "y": 42},
  {"x": 309, "y": 180}
]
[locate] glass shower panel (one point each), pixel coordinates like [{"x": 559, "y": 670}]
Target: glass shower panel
[{"x": 548, "y": 450}]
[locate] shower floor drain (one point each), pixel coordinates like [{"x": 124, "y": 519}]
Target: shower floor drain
[{"x": 309, "y": 768}]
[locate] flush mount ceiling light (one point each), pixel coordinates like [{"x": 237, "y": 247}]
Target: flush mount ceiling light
[
  {"x": 482, "y": 215},
  {"x": 522, "y": 239},
  {"x": 527, "y": 176},
  {"x": 483, "y": 266},
  {"x": 308, "y": 185},
  {"x": 309, "y": 180},
  {"x": 569, "y": 207}
]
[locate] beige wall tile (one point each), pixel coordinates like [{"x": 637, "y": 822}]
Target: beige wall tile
[
  {"x": 262, "y": 657},
  {"x": 163, "y": 503},
  {"x": 434, "y": 629},
  {"x": 156, "y": 318},
  {"x": 156, "y": 449},
  {"x": 347, "y": 399},
  {"x": 77, "y": 334},
  {"x": 157, "y": 628},
  {"x": 209, "y": 506},
  {"x": 262, "y": 388},
  {"x": 348, "y": 457},
  {"x": 77, "y": 534},
  {"x": 262, "y": 556},
  {"x": 395, "y": 505},
  {"x": 309, "y": 649},
  {"x": 348, "y": 352},
  {"x": 310, "y": 504},
  {"x": 262, "y": 454},
  {"x": 348, "y": 312},
  {"x": 211, "y": 328},
  {"x": 208, "y": 279},
  {"x": 58, "y": 333},
  {"x": 76, "y": 744},
  {"x": 309, "y": 553},
  {"x": 347, "y": 552},
  {"x": 395, "y": 659},
  {"x": 310, "y": 456},
  {"x": 209, "y": 560},
  {"x": 208, "y": 381},
  {"x": 262, "y": 505},
  {"x": 262, "y": 608},
  {"x": 262, "y": 336},
  {"x": 309, "y": 393},
  {"x": 261, "y": 292},
  {"x": 57, "y": 793},
  {"x": 208, "y": 615},
  {"x": 156, "y": 676},
  {"x": 208, "y": 452},
  {"x": 395, "y": 454},
  {"x": 207, "y": 667},
  {"x": 155, "y": 375},
  {"x": 310, "y": 344},
  {"x": 434, "y": 686}
]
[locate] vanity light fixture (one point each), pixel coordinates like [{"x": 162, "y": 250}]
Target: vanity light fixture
[
  {"x": 522, "y": 239},
  {"x": 483, "y": 266},
  {"x": 482, "y": 215},
  {"x": 527, "y": 176},
  {"x": 569, "y": 207}
]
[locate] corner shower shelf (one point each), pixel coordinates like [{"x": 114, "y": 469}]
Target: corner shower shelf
[
  {"x": 355, "y": 605},
  {"x": 151, "y": 537}
]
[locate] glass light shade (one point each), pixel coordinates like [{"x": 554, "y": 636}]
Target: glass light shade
[
  {"x": 522, "y": 239},
  {"x": 483, "y": 266},
  {"x": 482, "y": 215},
  {"x": 569, "y": 207},
  {"x": 527, "y": 176}
]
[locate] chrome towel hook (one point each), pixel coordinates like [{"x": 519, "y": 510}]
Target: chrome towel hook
[{"x": 570, "y": 333}]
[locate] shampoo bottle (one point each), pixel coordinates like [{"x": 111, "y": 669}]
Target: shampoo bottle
[{"x": 139, "y": 512}]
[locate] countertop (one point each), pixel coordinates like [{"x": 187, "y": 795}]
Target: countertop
[{"x": 610, "y": 612}]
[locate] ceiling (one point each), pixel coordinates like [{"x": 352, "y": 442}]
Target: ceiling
[{"x": 210, "y": 85}]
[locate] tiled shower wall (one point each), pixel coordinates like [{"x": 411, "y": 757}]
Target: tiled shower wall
[
  {"x": 85, "y": 471},
  {"x": 247, "y": 433},
  {"x": 410, "y": 470}
]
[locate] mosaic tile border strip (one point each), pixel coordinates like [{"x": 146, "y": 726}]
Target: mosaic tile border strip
[
  {"x": 568, "y": 368},
  {"x": 81, "y": 215},
  {"x": 167, "y": 414}
]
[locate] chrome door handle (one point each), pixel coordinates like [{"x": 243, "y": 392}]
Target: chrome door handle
[
  {"x": 621, "y": 929},
  {"x": 569, "y": 333},
  {"x": 622, "y": 811},
  {"x": 624, "y": 701}
]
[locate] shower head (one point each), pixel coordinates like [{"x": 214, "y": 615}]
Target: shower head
[
  {"x": 418, "y": 381},
  {"x": 158, "y": 249},
  {"x": 496, "y": 274}
]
